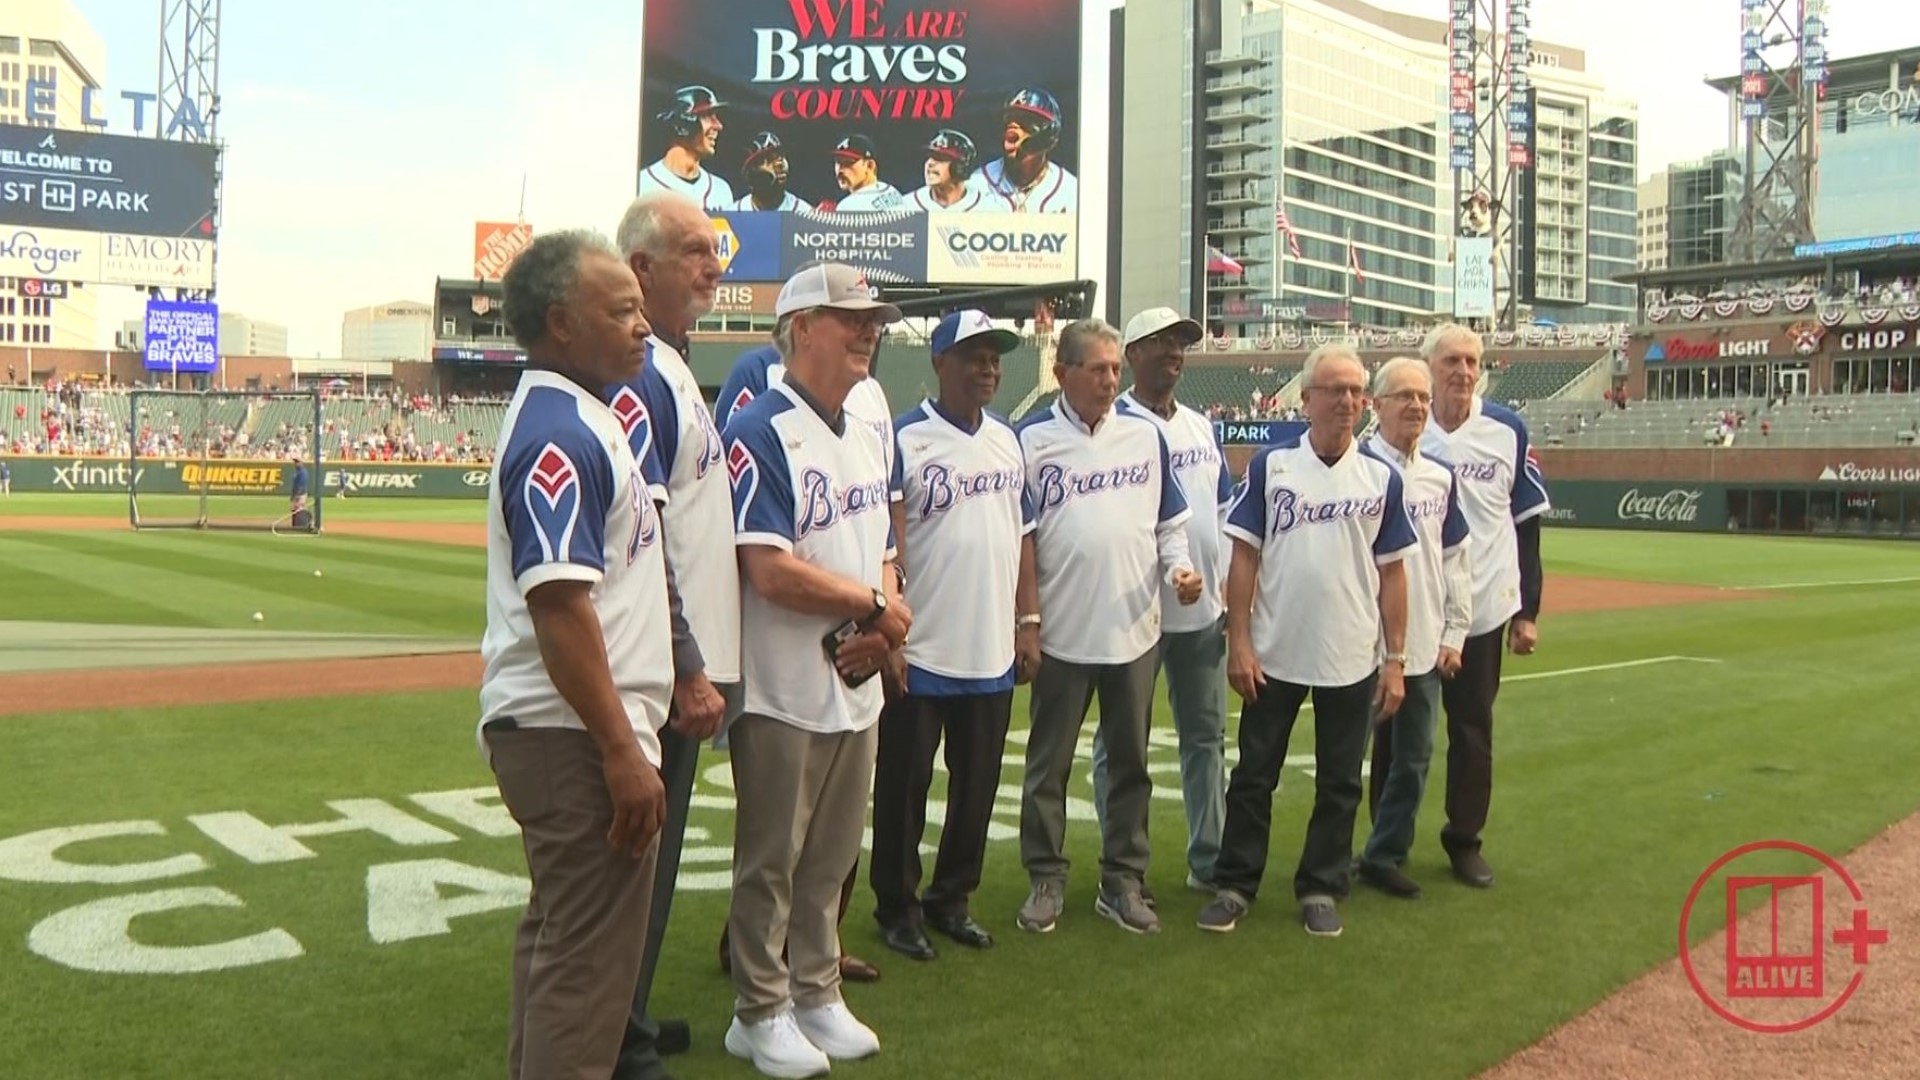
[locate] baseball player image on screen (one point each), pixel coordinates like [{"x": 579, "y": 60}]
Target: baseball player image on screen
[
  {"x": 1025, "y": 175},
  {"x": 693, "y": 122},
  {"x": 951, "y": 161},
  {"x": 765, "y": 175},
  {"x": 858, "y": 173}
]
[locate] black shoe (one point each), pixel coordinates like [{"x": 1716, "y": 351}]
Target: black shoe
[
  {"x": 675, "y": 1038},
  {"x": 1389, "y": 880},
  {"x": 962, "y": 929},
  {"x": 907, "y": 940},
  {"x": 1472, "y": 869}
]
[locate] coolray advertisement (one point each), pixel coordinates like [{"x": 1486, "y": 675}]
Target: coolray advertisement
[
  {"x": 105, "y": 183},
  {"x": 182, "y": 337},
  {"x": 828, "y": 112},
  {"x": 987, "y": 249}
]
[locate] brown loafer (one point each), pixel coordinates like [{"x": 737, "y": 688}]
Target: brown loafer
[
  {"x": 854, "y": 969},
  {"x": 1472, "y": 869}
]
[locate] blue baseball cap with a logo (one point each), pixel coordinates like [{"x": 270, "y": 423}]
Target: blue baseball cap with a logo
[{"x": 967, "y": 324}]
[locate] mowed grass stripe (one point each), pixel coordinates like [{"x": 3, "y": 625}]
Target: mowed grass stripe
[
  {"x": 261, "y": 508},
  {"x": 34, "y": 594},
  {"x": 1706, "y": 559},
  {"x": 207, "y": 592}
]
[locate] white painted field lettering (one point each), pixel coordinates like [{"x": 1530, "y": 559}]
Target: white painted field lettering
[
  {"x": 404, "y": 900},
  {"x": 477, "y": 808},
  {"x": 257, "y": 842},
  {"x": 35, "y": 857},
  {"x": 98, "y": 937}
]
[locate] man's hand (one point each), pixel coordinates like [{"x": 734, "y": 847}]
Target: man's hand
[
  {"x": 698, "y": 708},
  {"x": 1026, "y": 654},
  {"x": 1449, "y": 664},
  {"x": 862, "y": 655},
  {"x": 1188, "y": 585},
  {"x": 1523, "y": 636},
  {"x": 894, "y": 623},
  {"x": 1390, "y": 690},
  {"x": 1243, "y": 671},
  {"x": 893, "y": 675},
  {"x": 639, "y": 800}
]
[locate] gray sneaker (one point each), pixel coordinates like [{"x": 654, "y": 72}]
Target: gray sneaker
[
  {"x": 1129, "y": 909},
  {"x": 1224, "y": 913},
  {"x": 1042, "y": 910},
  {"x": 1320, "y": 916}
]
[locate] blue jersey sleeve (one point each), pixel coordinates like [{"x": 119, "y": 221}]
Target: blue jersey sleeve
[
  {"x": 1529, "y": 497},
  {"x": 1173, "y": 501},
  {"x": 1225, "y": 494},
  {"x": 1247, "y": 509},
  {"x": 897, "y": 482},
  {"x": 1396, "y": 533},
  {"x": 762, "y": 486},
  {"x": 639, "y": 422},
  {"x": 1453, "y": 528},
  {"x": 747, "y": 380},
  {"x": 654, "y": 475},
  {"x": 663, "y": 405},
  {"x": 555, "y": 493}
]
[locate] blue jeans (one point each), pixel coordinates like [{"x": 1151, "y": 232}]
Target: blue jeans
[
  {"x": 1195, "y": 663},
  {"x": 1402, "y": 750}
]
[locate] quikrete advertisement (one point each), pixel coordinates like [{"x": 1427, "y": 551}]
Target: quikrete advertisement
[
  {"x": 234, "y": 477},
  {"x": 875, "y": 130}
]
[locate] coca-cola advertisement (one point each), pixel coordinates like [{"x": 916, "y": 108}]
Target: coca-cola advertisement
[{"x": 871, "y": 107}]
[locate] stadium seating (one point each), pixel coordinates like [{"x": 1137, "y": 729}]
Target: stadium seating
[
  {"x": 1852, "y": 420},
  {"x": 1533, "y": 380}
]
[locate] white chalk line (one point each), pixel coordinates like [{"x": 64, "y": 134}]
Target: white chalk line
[{"x": 1821, "y": 584}]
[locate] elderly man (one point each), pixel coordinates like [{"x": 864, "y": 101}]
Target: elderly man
[
  {"x": 1193, "y": 639},
  {"x": 669, "y": 245},
  {"x": 1320, "y": 533},
  {"x": 578, "y": 657},
  {"x": 1439, "y": 607},
  {"x": 1111, "y": 529},
  {"x": 1504, "y": 498},
  {"x": 965, "y": 525},
  {"x": 820, "y": 615}
]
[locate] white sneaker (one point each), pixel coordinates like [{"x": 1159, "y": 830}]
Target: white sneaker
[
  {"x": 777, "y": 1048},
  {"x": 833, "y": 1029}
]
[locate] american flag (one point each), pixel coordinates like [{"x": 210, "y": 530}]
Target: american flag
[{"x": 1282, "y": 223}]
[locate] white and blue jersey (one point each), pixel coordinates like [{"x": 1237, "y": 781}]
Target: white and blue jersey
[
  {"x": 666, "y": 417},
  {"x": 964, "y": 499},
  {"x": 1199, "y": 464},
  {"x": 1323, "y": 532},
  {"x": 1500, "y": 485},
  {"x": 569, "y": 502},
  {"x": 756, "y": 369},
  {"x": 1439, "y": 586},
  {"x": 789, "y": 203},
  {"x": 821, "y": 494},
  {"x": 1056, "y": 191},
  {"x": 1110, "y": 528},
  {"x": 711, "y": 192}
]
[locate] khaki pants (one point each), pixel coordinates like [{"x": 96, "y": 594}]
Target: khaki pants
[
  {"x": 801, "y": 808},
  {"x": 577, "y": 953}
]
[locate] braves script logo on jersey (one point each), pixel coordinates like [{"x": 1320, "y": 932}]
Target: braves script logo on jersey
[
  {"x": 1182, "y": 460},
  {"x": 646, "y": 523},
  {"x": 710, "y": 449},
  {"x": 1290, "y": 511},
  {"x": 1482, "y": 471},
  {"x": 821, "y": 508},
  {"x": 1421, "y": 509},
  {"x": 552, "y": 492},
  {"x": 946, "y": 488},
  {"x": 632, "y": 414},
  {"x": 1059, "y": 483}
]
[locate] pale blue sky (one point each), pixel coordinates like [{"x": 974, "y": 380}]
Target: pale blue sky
[{"x": 363, "y": 144}]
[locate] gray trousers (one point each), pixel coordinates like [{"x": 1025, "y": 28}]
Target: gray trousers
[
  {"x": 1196, "y": 665},
  {"x": 1062, "y": 692}
]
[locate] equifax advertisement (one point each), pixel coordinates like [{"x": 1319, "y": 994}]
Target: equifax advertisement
[{"x": 869, "y": 126}]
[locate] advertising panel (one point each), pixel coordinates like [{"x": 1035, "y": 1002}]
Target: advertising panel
[
  {"x": 1460, "y": 88},
  {"x": 174, "y": 476},
  {"x": 495, "y": 243},
  {"x": 182, "y": 337},
  {"x": 1473, "y": 277},
  {"x": 1520, "y": 106},
  {"x": 106, "y": 258},
  {"x": 984, "y": 249},
  {"x": 749, "y": 245},
  {"x": 854, "y": 120},
  {"x": 105, "y": 183}
]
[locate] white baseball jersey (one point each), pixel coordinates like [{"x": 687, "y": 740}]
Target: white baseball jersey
[
  {"x": 788, "y": 201},
  {"x": 1439, "y": 580},
  {"x": 800, "y": 486},
  {"x": 972, "y": 198},
  {"x": 1108, "y": 512},
  {"x": 1055, "y": 192},
  {"x": 757, "y": 369},
  {"x": 711, "y": 192},
  {"x": 1323, "y": 532},
  {"x": 699, "y": 513},
  {"x": 966, "y": 508},
  {"x": 1500, "y": 485},
  {"x": 568, "y": 502},
  {"x": 1207, "y": 484},
  {"x": 876, "y": 196}
]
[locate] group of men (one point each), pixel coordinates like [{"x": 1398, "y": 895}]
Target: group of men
[{"x": 823, "y": 587}]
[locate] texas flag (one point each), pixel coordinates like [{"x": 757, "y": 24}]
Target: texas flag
[{"x": 1219, "y": 262}]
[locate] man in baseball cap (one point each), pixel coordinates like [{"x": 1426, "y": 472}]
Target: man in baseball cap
[
  {"x": 693, "y": 124},
  {"x": 831, "y": 285},
  {"x": 858, "y": 172},
  {"x": 765, "y": 174},
  {"x": 1160, "y": 320}
]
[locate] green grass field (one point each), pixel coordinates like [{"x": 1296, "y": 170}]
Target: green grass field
[{"x": 344, "y": 958}]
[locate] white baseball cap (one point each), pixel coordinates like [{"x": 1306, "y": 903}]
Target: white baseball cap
[
  {"x": 831, "y": 285},
  {"x": 969, "y": 323},
  {"x": 1154, "y": 320}
]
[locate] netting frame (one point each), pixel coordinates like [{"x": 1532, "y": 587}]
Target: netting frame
[{"x": 312, "y": 506}]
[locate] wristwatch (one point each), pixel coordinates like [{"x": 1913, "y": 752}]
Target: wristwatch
[
  {"x": 1032, "y": 619},
  {"x": 1395, "y": 658},
  {"x": 879, "y": 608}
]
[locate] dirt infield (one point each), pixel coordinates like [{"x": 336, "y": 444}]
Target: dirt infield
[{"x": 226, "y": 683}]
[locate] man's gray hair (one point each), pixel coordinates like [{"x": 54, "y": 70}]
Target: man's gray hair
[
  {"x": 1333, "y": 350},
  {"x": 783, "y": 336},
  {"x": 1385, "y": 376},
  {"x": 543, "y": 275},
  {"x": 1079, "y": 338},
  {"x": 642, "y": 227},
  {"x": 1438, "y": 337}
]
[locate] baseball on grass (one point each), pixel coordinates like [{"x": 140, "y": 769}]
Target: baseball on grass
[
  {"x": 257, "y": 617},
  {"x": 316, "y": 573}
]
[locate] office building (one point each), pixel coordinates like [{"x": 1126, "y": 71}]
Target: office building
[
  {"x": 397, "y": 330},
  {"x": 47, "y": 41},
  {"x": 1651, "y": 218},
  {"x": 1703, "y": 206},
  {"x": 1311, "y": 150}
]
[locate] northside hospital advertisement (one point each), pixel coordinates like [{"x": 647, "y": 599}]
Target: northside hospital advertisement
[{"x": 922, "y": 141}]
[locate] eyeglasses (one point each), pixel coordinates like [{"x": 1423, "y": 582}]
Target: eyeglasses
[
  {"x": 1341, "y": 391},
  {"x": 1417, "y": 397}
]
